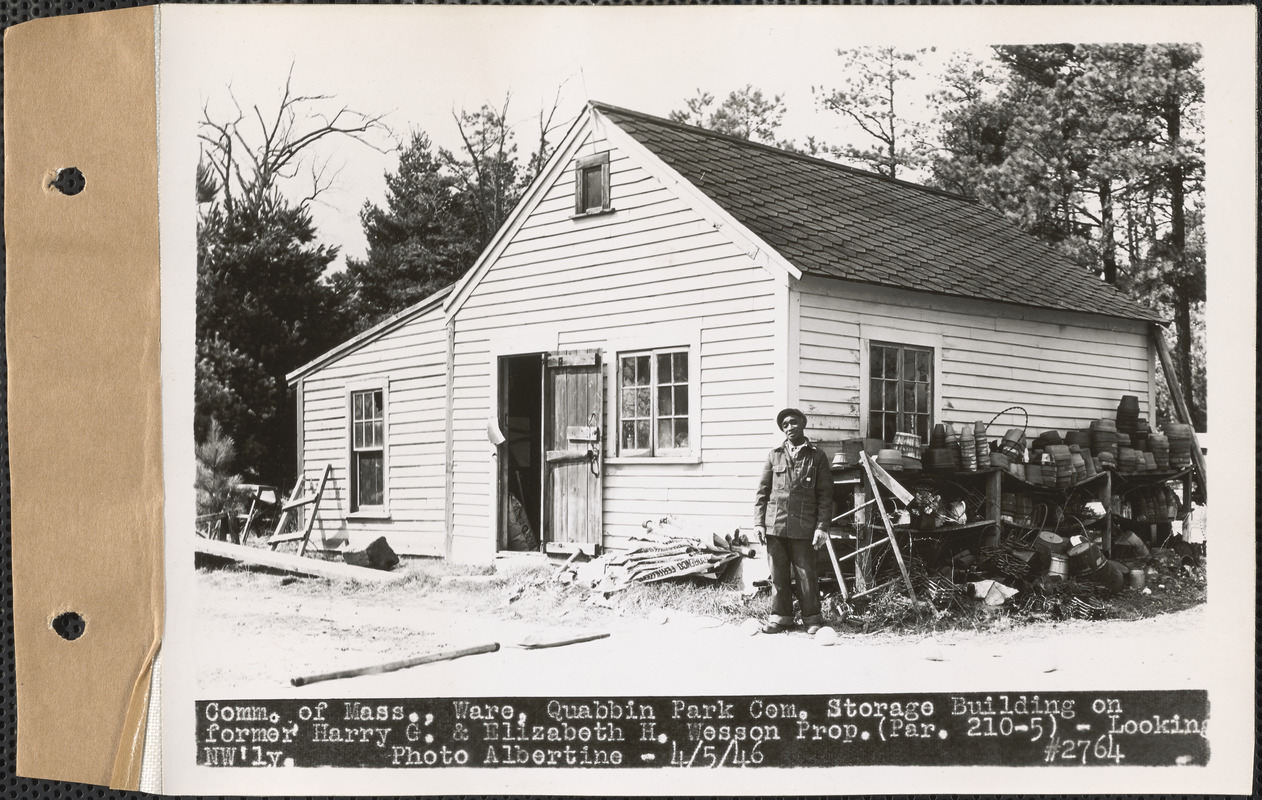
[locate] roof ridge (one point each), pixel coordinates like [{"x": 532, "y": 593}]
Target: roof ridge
[
  {"x": 369, "y": 334},
  {"x": 781, "y": 151}
]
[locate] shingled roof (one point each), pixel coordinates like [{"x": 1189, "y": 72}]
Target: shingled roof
[{"x": 839, "y": 222}]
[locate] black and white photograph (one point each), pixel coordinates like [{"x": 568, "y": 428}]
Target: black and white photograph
[{"x": 687, "y": 400}]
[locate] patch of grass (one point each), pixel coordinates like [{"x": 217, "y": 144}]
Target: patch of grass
[
  {"x": 892, "y": 611},
  {"x": 1167, "y": 594},
  {"x": 703, "y": 599}
]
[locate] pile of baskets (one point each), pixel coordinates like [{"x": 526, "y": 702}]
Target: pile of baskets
[{"x": 1124, "y": 444}]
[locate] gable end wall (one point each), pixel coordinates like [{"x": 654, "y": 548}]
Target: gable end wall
[{"x": 653, "y": 273}]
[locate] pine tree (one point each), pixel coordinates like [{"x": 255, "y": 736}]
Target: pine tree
[
  {"x": 441, "y": 210},
  {"x": 215, "y": 483},
  {"x": 874, "y": 96},
  {"x": 745, "y": 112},
  {"x": 486, "y": 169},
  {"x": 425, "y": 237},
  {"x": 1098, "y": 149},
  {"x": 263, "y": 309}
]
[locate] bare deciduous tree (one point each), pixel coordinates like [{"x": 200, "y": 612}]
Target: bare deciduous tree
[{"x": 250, "y": 154}]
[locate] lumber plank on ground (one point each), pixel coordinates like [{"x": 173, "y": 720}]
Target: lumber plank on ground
[
  {"x": 298, "y": 565},
  {"x": 415, "y": 661}
]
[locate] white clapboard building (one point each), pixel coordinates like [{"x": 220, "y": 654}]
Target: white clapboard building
[{"x": 657, "y": 295}]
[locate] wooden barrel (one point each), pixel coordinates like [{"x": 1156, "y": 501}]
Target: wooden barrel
[{"x": 1085, "y": 559}]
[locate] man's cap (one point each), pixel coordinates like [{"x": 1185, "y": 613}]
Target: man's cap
[{"x": 787, "y": 413}]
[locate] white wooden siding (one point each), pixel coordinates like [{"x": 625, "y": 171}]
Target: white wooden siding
[
  {"x": 657, "y": 272},
  {"x": 1065, "y": 369},
  {"x": 654, "y": 273},
  {"x": 411, "y": 360}
]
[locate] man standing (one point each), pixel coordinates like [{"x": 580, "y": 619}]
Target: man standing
[{"x": 794, "y": 505}]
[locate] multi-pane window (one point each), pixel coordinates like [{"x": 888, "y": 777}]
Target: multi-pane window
[
  {"x": 591, "y": 184},
  {"x": 368, "y": 478},
  {"x": 900, "y": 397},
  {"x": 653, "y": 403}
]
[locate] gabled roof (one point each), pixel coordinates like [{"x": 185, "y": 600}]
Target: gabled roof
[
  {"x": 835, "y": 221},
  {"x": 431, "y": 303},
  {"x": 529, "y": 200}
]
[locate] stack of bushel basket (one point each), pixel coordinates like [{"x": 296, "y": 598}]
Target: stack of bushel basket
[
  {"x": 1180, "y": 445},
  {"x": 1125, "y": 445},
  {"x": 944, "y": 449},
  {"x": 968, "y": 448},
  {"x": 1159, "y": 443},
  {"x": 1104, "y": 442}
]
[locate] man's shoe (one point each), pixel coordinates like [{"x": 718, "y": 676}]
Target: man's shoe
[
  {"x": 773, "y": 627},
  {"x": 811, "y": 630}
]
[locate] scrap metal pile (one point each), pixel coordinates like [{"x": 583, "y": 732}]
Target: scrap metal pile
[
  {"x": 667, "y": 548},
  {"x": 1068, "y": 522},
  {"x": 1012, "y": 577},
  {"x": 1040, "y": 573}
]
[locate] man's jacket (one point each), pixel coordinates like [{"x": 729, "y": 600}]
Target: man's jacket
[{"x": 795, "y": 495}]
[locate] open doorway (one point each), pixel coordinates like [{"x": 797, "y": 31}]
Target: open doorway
[{"x": 520, "y": 478}]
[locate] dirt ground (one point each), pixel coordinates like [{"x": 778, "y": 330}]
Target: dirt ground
[{"x": 259, "y": 630}]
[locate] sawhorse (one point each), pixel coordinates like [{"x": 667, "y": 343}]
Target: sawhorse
[
  {"x": 876, "y": 477},
  {"x": 295, "y": 501}
]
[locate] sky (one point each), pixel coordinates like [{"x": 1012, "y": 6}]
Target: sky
[{"x": 418, "y": 65}]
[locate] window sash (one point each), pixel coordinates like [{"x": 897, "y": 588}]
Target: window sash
[
  {"x": 367, "y": 448},
  {"x": 591, "y": 184},
  {"x": 900, "y": 390},
  {"x": 593, "y": 189},
  {"x": 370, "y": 479},
  {"x": 635, "y": 403},
  {"x": 654, "y": 403}
]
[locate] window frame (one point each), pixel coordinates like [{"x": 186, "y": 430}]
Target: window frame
[
  {"x": 900, "y": 381},
  {"x": 355, "y": 509},
  {"x": 890, "y": 337},
  {"x": 583, "y": 207},
  {"x": 690, "y": 384}
]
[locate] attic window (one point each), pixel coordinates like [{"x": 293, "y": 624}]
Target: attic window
[{"x": 591, "y": 184}]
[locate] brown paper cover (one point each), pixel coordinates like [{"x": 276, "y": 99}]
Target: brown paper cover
[{"x": 84, "y": 403}]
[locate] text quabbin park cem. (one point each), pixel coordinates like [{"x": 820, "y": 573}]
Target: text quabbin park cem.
[{"x": 1093, "y": 729}]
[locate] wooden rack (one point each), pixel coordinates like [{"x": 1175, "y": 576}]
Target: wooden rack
[{"x": 994, "y": 481}]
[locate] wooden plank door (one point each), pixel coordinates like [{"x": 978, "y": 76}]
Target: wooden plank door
[{"x": 572, "y": 447}]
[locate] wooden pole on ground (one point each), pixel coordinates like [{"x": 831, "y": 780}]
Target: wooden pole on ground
[{"x": 376, "y": 669}]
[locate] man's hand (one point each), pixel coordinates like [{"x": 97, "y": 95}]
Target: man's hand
[
  {"x": 817, "y": 541},
  {"x": 762, "y": 534}
]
